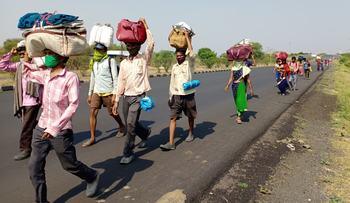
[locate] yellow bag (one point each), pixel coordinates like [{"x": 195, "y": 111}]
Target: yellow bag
[{"x": 177, "y": 39}]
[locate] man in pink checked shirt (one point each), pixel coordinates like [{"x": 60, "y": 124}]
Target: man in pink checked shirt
[
  {"x": 60, "y": 101},
  {"x": 26, "y": 97}
]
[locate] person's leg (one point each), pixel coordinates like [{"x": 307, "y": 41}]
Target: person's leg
[
  {"x": 108, "y": 103},
  {"x": 65, "y": 151},
  {"x": 36, "y": 165},
  {"x": 130, "y": 113},
  {"x": 95, "y": 106},
  {"x": 29, "y": 123},
  {"x": 172, "y": 127},
  {"x": 190, "y": 110},
  {"x": 93, "y": 123}
]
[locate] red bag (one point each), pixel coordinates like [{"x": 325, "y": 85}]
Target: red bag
[
  {"x": 281, "y": 55},
  {"x": 239, "y": 52},
  {"x": 131, "y": 32}
]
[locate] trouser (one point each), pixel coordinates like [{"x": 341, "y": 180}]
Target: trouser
[
  {"x": 65, "y": 151},
  {"x": 307, "y": 73},
  {"x": 131, "y": 113},
  {"x": 293, "y": 80},
  {"x": 29, "y": 122}
]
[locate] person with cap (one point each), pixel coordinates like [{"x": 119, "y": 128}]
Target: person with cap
[
  {"x": 26, "y": 97},
  {"x": 181, "y": 100},
  {"x": 102, "y": 90},
  {"x": 54, "y": 131},
  {"x": 133, "y": 84}
]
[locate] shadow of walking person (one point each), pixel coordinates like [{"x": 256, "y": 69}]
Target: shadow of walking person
[
  {"x": 246, "y": 115},
  {"x": 113, "y": 178}
]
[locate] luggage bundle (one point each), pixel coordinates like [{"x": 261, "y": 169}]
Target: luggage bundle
[
  {"x": 240, "y": 51},
  {"x": 60, "y": 33},
  {"x": 177, "y": 37},
  {"x": 281, "y": 55},
  {"x": 102, "y": 34},
  {"x": 131, "y": 32}
]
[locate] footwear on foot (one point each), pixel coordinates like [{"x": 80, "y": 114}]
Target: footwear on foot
[
  {"x": 127, "y": 159},
  {"x": 120, "y": 134},
  {"x": 22, "y": 155},
  {"x": 88, "y": 143},
  {"x": 190, "y": 137},
  {"x": 91, "y": 188},
  {"x": 238, "y": 120},
  {"x": 143, "y": 143},
  {"x": 167, "y": 147}
]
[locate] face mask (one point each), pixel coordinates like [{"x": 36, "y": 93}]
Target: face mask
[
  {"x": 51, "y": 61},
  {"x": 21, "y": 59}
]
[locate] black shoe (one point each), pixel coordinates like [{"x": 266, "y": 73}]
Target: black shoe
[{"x": 22, "y": 155}]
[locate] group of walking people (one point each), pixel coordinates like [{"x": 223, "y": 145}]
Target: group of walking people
[{"x": 52, "y": 87}]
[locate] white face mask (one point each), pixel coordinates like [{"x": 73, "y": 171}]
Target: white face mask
[{"x": 21, "y": 59}]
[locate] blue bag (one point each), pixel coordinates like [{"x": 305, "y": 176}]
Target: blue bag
[
  {"x": 147, "y": 103},
  {"x": 191, "y": 84}
]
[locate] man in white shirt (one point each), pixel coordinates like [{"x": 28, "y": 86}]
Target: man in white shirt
[{"x": 181, "y": 100}]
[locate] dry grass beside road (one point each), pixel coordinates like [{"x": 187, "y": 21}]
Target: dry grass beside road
[{"x": 339, "y": 186}]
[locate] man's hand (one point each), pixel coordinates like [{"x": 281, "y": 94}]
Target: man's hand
[
  {"x": 143, "y": 20},
  {"x": 115, "y": 108},
  {"x": 14, "y": 50},
  {"x": 226, "y": 88},
  {"x": 89, "y": 100},
  {"x": 46, "y": 136}
]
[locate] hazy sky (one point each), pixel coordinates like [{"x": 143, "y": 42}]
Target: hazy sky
[{"x": 294, "y": 25}]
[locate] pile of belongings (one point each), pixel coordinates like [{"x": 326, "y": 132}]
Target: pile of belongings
[
  {"x": 177, "y": 37},
  {"x": 240, "y": 51},
  {"x": 102, "y": 34},
  {"x": 281, "y": 55},
  {"x": 60, "y": 33},
  {"x": 131, "y": 32}
]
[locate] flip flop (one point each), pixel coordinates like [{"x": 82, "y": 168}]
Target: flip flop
[{"x": 88, "y": 143}]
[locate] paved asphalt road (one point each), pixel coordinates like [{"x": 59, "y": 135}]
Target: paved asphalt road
[{"x": 191, "y": 167}]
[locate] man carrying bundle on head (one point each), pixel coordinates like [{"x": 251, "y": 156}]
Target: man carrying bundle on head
[
  {"x": 27, "y": 97},
  {"x": 59, "y": 103},
  {"x": 54, "y": 131},
  {"x": 102, "y": 91},
  {"x": 181, "y": 99},
  {"x": 132, "y": 86}
]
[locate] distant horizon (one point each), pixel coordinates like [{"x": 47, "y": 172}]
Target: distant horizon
[{"x": 315, "y": 27}]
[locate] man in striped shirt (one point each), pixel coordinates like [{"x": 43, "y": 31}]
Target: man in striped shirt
[{"x": 60, "y": 101}]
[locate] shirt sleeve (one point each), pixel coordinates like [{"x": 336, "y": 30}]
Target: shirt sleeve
[
  {"x": 150, "y": 46},
  {"x": 120, "y": 82},
  {"x": 114, "y": 70},
  {"x": 7, "y": 65},
  {"x": 73, "y": 99},
  {"x": 191, "y": 60},
  {"x": 92, "y": 81}
]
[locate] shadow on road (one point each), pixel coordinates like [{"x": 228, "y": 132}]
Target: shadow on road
[
  {"x": 248, "y": 114},
  {"x": 113, "y": 178}
]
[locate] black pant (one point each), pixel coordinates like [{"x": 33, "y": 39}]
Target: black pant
[
  {"x": 29, "y": 122},
  {"x": 65, "y": 151},
  {"x": 131, "y": 112}
]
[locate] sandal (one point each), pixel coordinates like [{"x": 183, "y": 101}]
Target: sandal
[{"x": 88, "y": 143}]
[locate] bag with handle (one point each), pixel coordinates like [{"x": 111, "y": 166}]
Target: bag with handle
[
  {"x": 239, "y": 52},
  {"x": 131, "y": 32},
  {"x": 102, "y": 34},
  {"x": 177, "y": 38}
]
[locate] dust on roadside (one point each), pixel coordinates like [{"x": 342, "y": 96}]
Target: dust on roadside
[{"x": 290, "y": 162}]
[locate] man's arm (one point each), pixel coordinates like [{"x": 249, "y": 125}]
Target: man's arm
[
  {"x": 6, "y": 64},
  {"x": 149, "y": 42}
]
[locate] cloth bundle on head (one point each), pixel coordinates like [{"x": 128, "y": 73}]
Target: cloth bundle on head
[
  {"x": 22, "y": 43},
  {"x": 191, "y": 84},
  {"x": 147, "y": 103},
  {"x": 131, "y": 32},
  {"x": 177, "y": 36},
  {"x": 281, "y": 55},
  {"x": 60, "y": 33}
]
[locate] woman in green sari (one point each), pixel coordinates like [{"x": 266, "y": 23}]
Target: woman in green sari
[{"x": 239, "y": 77}]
